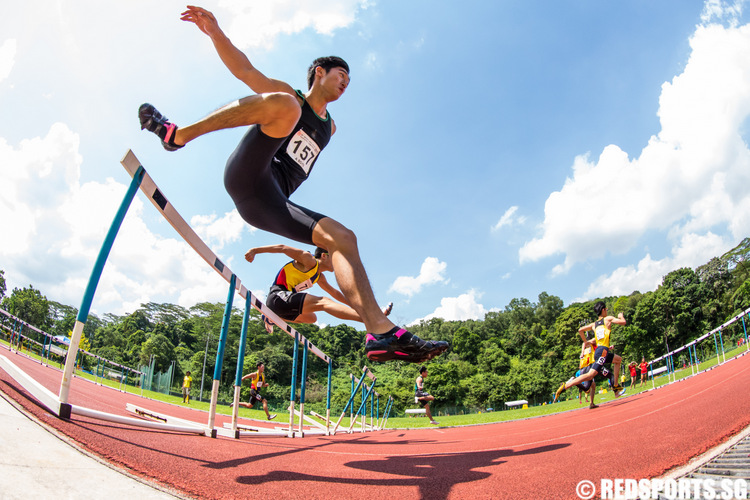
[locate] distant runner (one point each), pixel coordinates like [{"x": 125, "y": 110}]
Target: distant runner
[{"x": 603, "y": 354}]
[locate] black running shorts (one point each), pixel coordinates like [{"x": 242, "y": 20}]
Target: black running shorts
[
  {"x": 255, "y": 397},
  {"x": 585, "y": 386},
  {"x": 602, "y": 356},
  {"x": 288, "y": 305},
  {"x": 422, "y": 394},
  {"x": 252, "y": 182}
]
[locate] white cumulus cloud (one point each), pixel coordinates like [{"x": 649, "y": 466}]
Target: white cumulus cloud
[
  {"x": 257, "y": 24},
  {"x": 55, "y": 226},
  {"x": 461, "y": 308},
  {"x": 647, "y": 275},
  {"x": 217, "y": 232},
  {"x": 688, "y": 180},
  {"x": 431, "y": 272}
]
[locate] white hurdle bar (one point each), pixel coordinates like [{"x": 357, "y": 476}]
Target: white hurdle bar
[
  {"x": 59, "y": 405},
  {"x": 157, "y": 198}
]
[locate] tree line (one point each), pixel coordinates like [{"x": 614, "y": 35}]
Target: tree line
[{"x": 521, "y": 352}]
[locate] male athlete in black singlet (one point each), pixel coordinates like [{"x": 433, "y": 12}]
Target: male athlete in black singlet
[{"x": 288, "y": 130}]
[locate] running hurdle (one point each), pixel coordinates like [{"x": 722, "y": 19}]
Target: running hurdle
[
  {"x": 360, "y": 381},
  {"x": 693, "y": 352},
  {"x": 149, "y": 188},
  {"x": 60, "y": 405},
  {"x": 47, "y": 348}
]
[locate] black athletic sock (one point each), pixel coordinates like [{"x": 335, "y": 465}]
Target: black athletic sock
[{"x": 392, "y": 331}]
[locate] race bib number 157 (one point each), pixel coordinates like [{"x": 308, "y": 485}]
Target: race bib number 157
[{"x": 303, "y": 150}]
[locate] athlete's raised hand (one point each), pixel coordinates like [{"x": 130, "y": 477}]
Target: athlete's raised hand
[
  {"x": 250, "y": 255},
  {"x": 202, "y": 18}
]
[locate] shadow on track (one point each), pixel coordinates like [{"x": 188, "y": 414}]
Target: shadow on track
[{"x": 434, "y": 475}]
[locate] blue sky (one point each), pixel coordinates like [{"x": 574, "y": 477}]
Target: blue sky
[{"x": 484, "y": 151}]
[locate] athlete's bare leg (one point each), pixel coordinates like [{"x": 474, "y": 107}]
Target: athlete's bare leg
[
  {"x": 313, "y": 304},
  {"x": 428, "y": 413},
  {"x": 616, "y": 361},
  {"x": 265, "y": 408},
  {"x": 592, "y": 391},
  {"x": 427, "y": 408},
  {"x": 276, "y": 113},
  {"x": 341, "y": 244},
  {"x": 582, "y": 378}
]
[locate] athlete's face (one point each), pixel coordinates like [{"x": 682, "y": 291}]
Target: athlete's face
[
  {"x": 335, "y": 81},
  {"x": 326, "y": 264}
]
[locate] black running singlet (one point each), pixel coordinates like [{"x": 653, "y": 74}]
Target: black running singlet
[
  {"x": 294, "y": 160},
  {"x": 264, "y": 171}
]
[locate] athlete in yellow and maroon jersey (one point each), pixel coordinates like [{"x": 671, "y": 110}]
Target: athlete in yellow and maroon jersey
[
  {"x": 292, "y": 279},
  {"x": 603, "y": 354},
  {"x": 286, "y": 297},
  {"x": 587, "y": 355},
  {"x": 601, "y": 332},
  {"x": 257, "y": 380}
]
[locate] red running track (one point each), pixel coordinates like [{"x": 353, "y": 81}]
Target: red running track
[{"x": 640, "y": 436}]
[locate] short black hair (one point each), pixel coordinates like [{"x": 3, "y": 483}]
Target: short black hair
[
  {"x": 599, "y": 307},
  {"x": 422, "y": 369},
  {"x": 257, "y": 365},
  {"x": 326, "y": 63},
  {"x": 319, "y": 252}
]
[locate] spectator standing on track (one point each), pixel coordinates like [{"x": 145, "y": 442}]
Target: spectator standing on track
[
  {"x": 286, "y": 297},
  {"x": 421, "y": 396},
  {"x": 633, "y": 373},
  {"x": 257, "y": 381},
  {"x": 644, "y": 371},
  {"x": 186, "y": 383}
]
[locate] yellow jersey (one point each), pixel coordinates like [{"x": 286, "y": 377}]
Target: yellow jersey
[
  {"x": 187, "y": 381},
  {"x": 601, "y": 332},
  {"x": 255, "y": 378},
  {"x": 294, "y": 280},
  {"x": 588, "y": 356}
]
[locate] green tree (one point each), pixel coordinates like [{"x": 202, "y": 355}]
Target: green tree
[
  {"x": 2, "y": 285},
  {"x": 467, "y": 344},
  {"x": 548, "y": 309},
  {"x": 161, "y": 348},
  {"x": 29, "y": 305},
  {"x": 493, "y": 359},
  {"x": 445, "y": 381},
  {"x": 740, "y": 299}
]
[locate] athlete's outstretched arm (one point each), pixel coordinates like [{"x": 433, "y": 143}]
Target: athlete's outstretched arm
[
  {"x": 305, "y": 258},
  {"x": 232, "y": 57},
  {"x": 331, "y": 290},
  {"x": 582, "y": 330},
  {"x": 619, "y": 320}
]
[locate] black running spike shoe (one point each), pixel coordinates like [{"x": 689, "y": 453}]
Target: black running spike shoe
[
  {"x": 400, "y": 344},
  {"x": 155, "y": 122}
]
